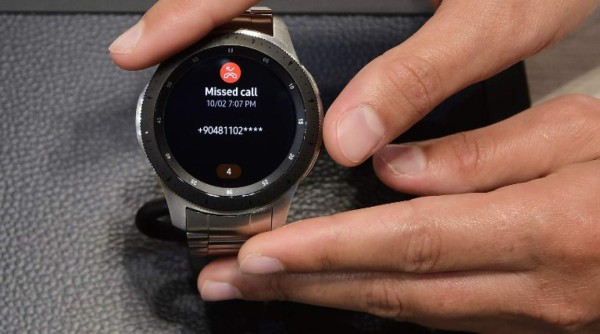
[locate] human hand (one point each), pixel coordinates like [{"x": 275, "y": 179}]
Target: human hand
[
  {"x": 169, "y": 27},
  {"x": 465, "y": 42},
  {"x": 520, "y": 259}
]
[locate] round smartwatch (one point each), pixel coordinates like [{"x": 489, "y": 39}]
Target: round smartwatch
[{"x": 231, "y": 126}]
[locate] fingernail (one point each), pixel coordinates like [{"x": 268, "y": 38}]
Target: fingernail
[
  {"x": 128, "y": 41},
  {"x": 404, "y": 159},
  {"x": 359, "y": 132},
  {"x": 218, "y": 291},
  {"x": 256, "y": 264}
]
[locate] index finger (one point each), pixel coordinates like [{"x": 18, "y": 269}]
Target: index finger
[
  {"x": 169, "y": 27},
  {"x": 426, "y": 235}
]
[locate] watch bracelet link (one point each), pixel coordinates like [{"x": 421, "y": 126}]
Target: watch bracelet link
[
  {"x": 256, "y": 18},
  {"x": 221, "y": 235},
  {"x": 208, "y": 234}
]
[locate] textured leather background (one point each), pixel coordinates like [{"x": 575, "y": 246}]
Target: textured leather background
[
  {"x": 72, "y": 177},
  {"x": 279, "y": 6}
]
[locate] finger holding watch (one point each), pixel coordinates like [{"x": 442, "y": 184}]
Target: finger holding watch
[
  {"x": 463, "y": 43},
  {"x": 171, "y": 26}
]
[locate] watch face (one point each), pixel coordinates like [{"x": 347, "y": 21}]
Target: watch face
[
  {"x": 230, "y": 120},
  {"x": 231, "y": 124}
]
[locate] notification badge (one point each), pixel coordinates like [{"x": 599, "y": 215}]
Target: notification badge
[{"x": 231, "y": 73}]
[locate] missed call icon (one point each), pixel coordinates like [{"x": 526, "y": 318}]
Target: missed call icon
[{"x": 231, "y": 72}]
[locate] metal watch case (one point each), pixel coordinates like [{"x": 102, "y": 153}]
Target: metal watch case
[{"x": 181, "y": 194}]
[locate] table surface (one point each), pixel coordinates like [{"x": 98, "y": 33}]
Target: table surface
[
  {"x": 547, "y": 71},
  {"x": 576, "y": 55},
  {"x": 280, "y": 6}
]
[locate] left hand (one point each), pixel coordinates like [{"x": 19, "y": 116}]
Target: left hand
[{"x": 514, "y": 248}]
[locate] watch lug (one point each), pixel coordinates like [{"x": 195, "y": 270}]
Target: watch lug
[
  {"x": 281, "y": 208},
  {"x": 177, "y": 207},
  {"x": 282, "y": 35}
]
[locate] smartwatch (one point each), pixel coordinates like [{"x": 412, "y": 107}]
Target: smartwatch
[{"x": 231, "y": 126}]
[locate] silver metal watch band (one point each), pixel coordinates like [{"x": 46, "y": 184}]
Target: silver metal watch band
[
  {"x": 221, "y": 235},
  {"x": 209, "y": 234},
  {"x": 256, "y": 18}
]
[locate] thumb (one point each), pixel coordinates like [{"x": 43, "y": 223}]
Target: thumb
[{"x": 464, "y": 42}]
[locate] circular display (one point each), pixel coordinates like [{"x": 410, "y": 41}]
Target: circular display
[{"x": 229, "y": 120}]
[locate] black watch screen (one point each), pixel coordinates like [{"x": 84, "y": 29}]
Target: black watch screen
[{"x": 230, "y": 120}]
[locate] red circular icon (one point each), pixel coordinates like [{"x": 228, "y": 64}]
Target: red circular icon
[{"x": 231, "y": 73}]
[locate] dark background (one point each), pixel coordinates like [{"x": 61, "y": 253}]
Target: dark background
[
  {"x": 279, "y": 6},
  {"x": 72, "y": 175}
]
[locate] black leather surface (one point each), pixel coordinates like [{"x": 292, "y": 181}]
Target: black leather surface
[
  {"x": 279, "y": 6},
  {"x": 72, "y": 177}
]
